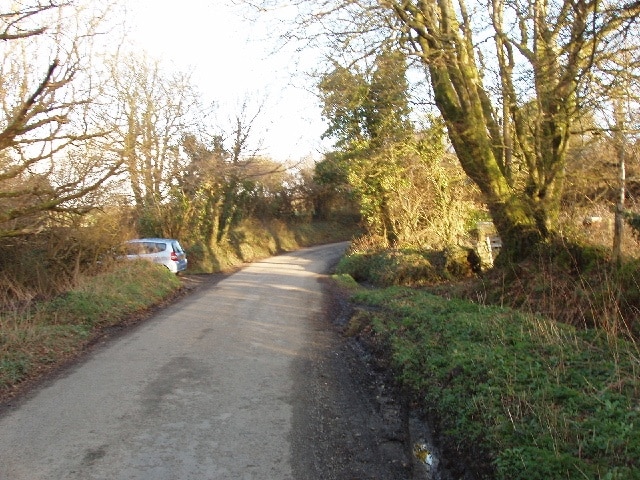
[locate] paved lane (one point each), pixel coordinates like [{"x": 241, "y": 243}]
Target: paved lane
[{"x": 201, "y": 391}]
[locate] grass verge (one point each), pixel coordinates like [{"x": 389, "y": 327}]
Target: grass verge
[
  {"x": 74, "y": 308},
  {"x": 253, "y": 240},
  {"x": 34, "y": 340},
  {"x": 520, "y": 396}
]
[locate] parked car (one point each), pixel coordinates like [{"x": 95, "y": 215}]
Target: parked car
[{"x": 165, "y": 251}]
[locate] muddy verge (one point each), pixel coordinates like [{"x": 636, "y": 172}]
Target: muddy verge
[
  {"x": 351, "y": 421},
  {"x": 362, "y": 370}
]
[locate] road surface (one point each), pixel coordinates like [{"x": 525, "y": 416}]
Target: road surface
[{"x": 243, "y": 379}]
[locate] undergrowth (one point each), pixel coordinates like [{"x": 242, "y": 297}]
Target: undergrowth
[
  {"x": 530, "y": 371},
  {"x": 60, "y": 289},
  {"x": 523, "y": 396},
  {"x": 253, "y": 239},
  {"x": 406, "y": 266},
  {"x": 48, "y": 332}
]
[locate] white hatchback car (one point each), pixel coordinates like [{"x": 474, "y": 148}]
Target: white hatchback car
[{"x": 165, "y": 251}]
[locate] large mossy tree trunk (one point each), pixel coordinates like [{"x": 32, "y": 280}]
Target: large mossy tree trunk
[
  {"x": 513, "y": 148},
  {"x": 523, "y": 218}
]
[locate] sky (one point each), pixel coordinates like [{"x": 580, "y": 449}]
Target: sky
[{"x": 234, "y": 60}]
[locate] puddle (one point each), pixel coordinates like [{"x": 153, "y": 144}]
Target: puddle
[
  {"x": 426, "y": 457},
  {"x": 422, "y": 454}
]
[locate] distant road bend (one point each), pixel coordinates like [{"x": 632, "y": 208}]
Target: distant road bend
[{"x": 209, "y": 388}]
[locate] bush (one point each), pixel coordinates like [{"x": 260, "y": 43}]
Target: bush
[
  {"x": 409, "y": 267},
  {"x": 571, "y": 283}
]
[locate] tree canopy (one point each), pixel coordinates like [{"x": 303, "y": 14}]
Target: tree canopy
[
  {"x": 510, "y": 79},
  {"x": 49, "y": 160},
  {"x": 392, "y": 165}
]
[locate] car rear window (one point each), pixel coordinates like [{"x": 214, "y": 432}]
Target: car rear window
[
  {"x": 155, "y": 247},
  {"x": 140, "y": 248}
]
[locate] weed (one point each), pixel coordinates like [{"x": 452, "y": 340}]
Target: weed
[
  {"x": 542, "y": 399},
  {"x": 405, "y": 267},
  {"x": 13, "y": 369},
  {"x": 51, "y": 330}
]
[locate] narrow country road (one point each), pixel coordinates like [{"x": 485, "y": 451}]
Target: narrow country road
[{"x": 240, "y": 380}]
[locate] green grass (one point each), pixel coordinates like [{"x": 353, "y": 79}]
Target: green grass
[
  {"x": 406, "y": 266},
  {"x": 527, "y": 397},
  {"x": 52, "y": 331},
  {"x": 106, "y": 299}
]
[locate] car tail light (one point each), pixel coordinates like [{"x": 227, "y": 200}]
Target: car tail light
[{"x": 174, "y": 256}]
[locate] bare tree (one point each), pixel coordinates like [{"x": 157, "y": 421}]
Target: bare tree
[
  {"x": 150, "y": 110},
  {"x": 14, "y": 24},
  {"x": 225, "y": 175},
  {"x": 46, "y": 91},
  {"x": 624, "y": 130}
]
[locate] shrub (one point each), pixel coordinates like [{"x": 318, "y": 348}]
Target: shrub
[{"x": 409, "y": 267}]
